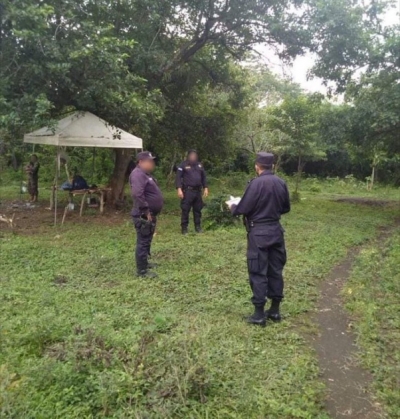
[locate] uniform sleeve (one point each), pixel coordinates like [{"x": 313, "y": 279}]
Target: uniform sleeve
[
  {"x": 203, "y": 178},
  {"x": 138, "y": 183},
  {"x": 179, "y": 177},
  {"x": 248, "y": 202},
  {"x": 286, "y": 202}
]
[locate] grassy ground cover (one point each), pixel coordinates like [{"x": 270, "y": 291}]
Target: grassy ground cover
[
  {"x": 373, "y": 297},
  {"x": 82, "y": 337}
]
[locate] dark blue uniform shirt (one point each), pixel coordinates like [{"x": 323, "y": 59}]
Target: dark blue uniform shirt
[
  {"x": 266, "y": 198},
  {"x": 191, "y": 174},
  {"x": 146, "y": 194}
]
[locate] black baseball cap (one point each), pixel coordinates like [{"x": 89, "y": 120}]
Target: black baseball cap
[
  {"x": 266, "y": 159},
  {"x": 145, "y": 155}
]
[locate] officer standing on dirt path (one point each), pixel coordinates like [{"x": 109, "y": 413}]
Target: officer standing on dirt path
[
  {"x": 147, "y": 204},
  {"x": 264, "y": 201},
  {"x": 191, "y": 183}
]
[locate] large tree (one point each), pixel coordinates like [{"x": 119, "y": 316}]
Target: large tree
[
  {"x": 375, "y": 99},
  {"x": 133, "y": 61},
  {"x": 298, "y": 119}
]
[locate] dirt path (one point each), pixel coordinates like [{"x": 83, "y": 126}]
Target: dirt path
[{"x": 347, "y": 383}]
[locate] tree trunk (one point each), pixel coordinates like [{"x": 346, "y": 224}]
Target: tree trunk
[
  {"x": 278, "y": 163},
  {"x": 253, "y": 146},
  {"x": 14, "y": 161},
  {"x": 171, "y": 174},
  {"x": 300, "y": 166},
  {"x": 117, "y": 180},
  {"x": 372, "y": 178}
]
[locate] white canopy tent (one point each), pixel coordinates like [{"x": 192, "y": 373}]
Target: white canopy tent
[{"x": 82, "y": 129}]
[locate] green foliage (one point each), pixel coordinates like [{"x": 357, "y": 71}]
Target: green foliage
[
  {"x": 372, "y": 296},
  {"x": 297, "y": 118},
  {"x": 217, "y": 214},
  {"x": 81, "y": 336},
  {"x": 295, "y": 197},
  {"x": 375, "y": 120},
  {"x": 166, "y": 70},
  {"x": 348, "y": 38}
]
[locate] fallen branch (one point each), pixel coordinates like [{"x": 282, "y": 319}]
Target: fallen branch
[{"x": 8, "y": 221}]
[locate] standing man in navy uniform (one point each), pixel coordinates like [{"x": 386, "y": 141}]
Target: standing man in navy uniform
[
  {"x": 191, "y": 183},
  {"x": 264, "y": 201},
  {"x": 147, "y": 204}
]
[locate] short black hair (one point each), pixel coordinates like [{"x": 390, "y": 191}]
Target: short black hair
[{"x": 265, "y": 166}]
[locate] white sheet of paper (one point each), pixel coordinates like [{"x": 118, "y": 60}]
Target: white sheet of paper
[{"x": 233, "y": 201}]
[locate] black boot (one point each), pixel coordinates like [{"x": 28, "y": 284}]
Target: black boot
[
  {"x": 143, "y": 270},
  {"x": 184, "y": 231},
  {"x": 273, "y": 312},
  {"x": 258, "y": 318},
  {"x": 198, "y": 229},
  {"x": 144, "y": 273}
]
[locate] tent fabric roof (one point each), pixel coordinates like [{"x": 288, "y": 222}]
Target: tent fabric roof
[{"x": 83, "y": 129}]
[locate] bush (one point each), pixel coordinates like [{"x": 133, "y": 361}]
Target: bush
[
  {"x": 237, "y": 180},
  {"x": 217, "y": 214},
  {"x": 233, "y": 182},
  {"x": 315, "y": 188},
  {"x": 295, "y": 197}
]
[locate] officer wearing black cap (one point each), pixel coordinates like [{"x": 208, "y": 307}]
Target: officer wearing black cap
[
  {"x": 191, "y": 181},
  {"x": 264, "y": 201},
  {"x": 147, "y": 204}
]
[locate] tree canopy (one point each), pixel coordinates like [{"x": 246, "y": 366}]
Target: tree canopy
[{"x": 172, "y": 71}]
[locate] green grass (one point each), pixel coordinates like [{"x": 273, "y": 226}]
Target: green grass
[
  {"x": 82, "y": 337},
  {"x": 373, "y": 297}
]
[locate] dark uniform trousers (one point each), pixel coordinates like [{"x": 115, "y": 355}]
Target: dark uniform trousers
[
  {"x": 266, "y": 258},
  {"x": 144, "y": 237},
  {"x": 192, "y": 199}
]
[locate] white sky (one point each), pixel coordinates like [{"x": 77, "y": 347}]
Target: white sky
[{"x": 300, "y": 67}]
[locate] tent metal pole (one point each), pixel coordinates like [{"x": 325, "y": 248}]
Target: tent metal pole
[
  {"x": 93, "y": 167},
  {"x": 56, "y": 186},
  {"x": 22, "y": 177}
]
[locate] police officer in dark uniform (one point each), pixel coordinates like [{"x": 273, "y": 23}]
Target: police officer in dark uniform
[
  {"x": 147, "y": 204},
  {"x": 191, "y": 183},
  {"x": 264, "y": 201}
]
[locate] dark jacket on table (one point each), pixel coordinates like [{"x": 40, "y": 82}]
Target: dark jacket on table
[
  {"x": 190, "y": 174},
  {"x": 146, "y": 194},
  {"x": 266, "y": 198}
]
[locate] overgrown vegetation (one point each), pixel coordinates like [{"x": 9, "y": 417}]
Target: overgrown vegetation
[
  {"x": 372, "y": 295},
  {"x": 173, "y": 73},
  {"x": 217, "y": 214},
  {"x": 81, "y": 336}
]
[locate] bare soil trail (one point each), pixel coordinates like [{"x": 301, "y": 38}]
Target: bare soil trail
[{"x": 348, "y": 384}]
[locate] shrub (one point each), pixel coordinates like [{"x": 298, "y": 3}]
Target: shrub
[
  {"x": 315, "y": 188},
  {"x": 217, "y": 213},
  {"x": 237, "y": 180},
  {"x": 295, "y": 197}
]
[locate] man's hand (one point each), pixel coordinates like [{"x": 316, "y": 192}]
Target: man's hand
[
  {"x": 149, "y": 217},
  {"x": 205, "y": 192},
  {"x": 180, "y": 193}
]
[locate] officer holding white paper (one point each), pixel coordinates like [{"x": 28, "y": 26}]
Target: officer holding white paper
[{"x": 264, "y": 201}]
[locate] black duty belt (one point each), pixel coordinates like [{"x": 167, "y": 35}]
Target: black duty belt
[
  {"x": 193, "y": 188},
  {"x": 262, "y": 223}
]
